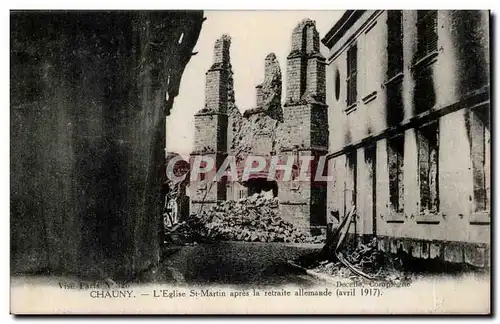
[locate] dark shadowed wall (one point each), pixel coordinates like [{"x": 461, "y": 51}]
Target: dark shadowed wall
[{"x": 89, "y": 95}]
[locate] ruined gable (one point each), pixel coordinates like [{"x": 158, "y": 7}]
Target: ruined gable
[
  {"x": 269, "y": 91},
  {"x": 234, "y": 116},
  {"x": 257, "y": 135},
  {"x": 257, "y": 129}
]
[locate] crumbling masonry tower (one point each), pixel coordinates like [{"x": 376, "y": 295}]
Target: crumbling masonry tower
[
  {"x": 305, "y": 127},
  {"x": 211, "y": 127},
  {"x": 299, "y": 127}
]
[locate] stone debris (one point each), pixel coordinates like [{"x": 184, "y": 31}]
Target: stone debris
[
  {"x": 252, "y": 219},
  {"x": 366, "y": 258},
  {"x": 354, "y": 259}
]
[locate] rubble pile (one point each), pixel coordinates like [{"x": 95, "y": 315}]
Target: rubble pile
[
  {"x": 368, "y": 259},
  {"x": 253, "y": 219}
]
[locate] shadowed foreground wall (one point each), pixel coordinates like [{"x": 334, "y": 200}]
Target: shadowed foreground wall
[{"x": 89, "y": 95}]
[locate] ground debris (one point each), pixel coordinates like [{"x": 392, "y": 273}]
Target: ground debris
[
  {"x": 366, "y": 258},
  {"x": 253, "y": 219}
]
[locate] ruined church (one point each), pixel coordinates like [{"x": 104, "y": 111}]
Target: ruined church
[{"x": 298, "y": 126}]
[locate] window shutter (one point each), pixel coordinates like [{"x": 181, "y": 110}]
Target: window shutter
[
  {"x": 351, "y": 75},
  {"x": 487, "y": 166},
  {"x": 395, "y": 154},
  {"x": 424, "y": 93},
  {"x": 428, "y": 158},
  {"x": 400, "y": 176},
  {"x": 478, "y": 162},
  {"x": 395, "y": 42},
  {"x": 395, "y": 102},
  {"x": 433, "y": 32},
  {"x": 350, "y": 185},
  {"x": 353, "y": 89},
  {"x": 423, "y": 167},
  {"x": 433, "y": 174},
  {"x": 393, "y": 181},
  {"x": 427, "y": 32}
]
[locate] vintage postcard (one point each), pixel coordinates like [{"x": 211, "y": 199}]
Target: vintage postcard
[{"x": 250, "y": 162}]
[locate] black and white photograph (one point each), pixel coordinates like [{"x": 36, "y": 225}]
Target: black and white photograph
[{"x": 250, "y": 162}]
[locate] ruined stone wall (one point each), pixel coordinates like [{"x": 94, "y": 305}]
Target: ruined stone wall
[
  {"x": 257, "y": 135},
  {"x": 257, "y": 130},
  {"x": 211, "y": 127},
  {"x": 305, "y": 126}
]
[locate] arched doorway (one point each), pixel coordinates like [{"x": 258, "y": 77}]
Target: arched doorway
[{"x": 262, "y": 186}]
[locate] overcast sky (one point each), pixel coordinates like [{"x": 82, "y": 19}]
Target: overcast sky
[{"x": 254, "y": 34}]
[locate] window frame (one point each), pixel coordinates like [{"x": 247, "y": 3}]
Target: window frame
[
  {"x": 395, "y": 53},
  {"x": 351, "y": 181},
  {"x": 425, "y": 33},
  {"x": 424, "y": 92},
  {"x": 395, "y": 108},
  {"x": 352, "y": 76},
  {"x": 481, "y": 116},
  {"x": 425, "y": 131},
  {"x": 396, "y": 146}
]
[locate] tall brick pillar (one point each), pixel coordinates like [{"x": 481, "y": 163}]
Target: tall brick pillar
[
  {"x": 305, "y": 127},
  {"x": 211, "y": 129}
]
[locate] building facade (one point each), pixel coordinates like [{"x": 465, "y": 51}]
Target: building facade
[{"x": 409, "y": 118}]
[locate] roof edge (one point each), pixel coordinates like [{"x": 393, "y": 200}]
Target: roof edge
[{"x": 341, "y": 26}]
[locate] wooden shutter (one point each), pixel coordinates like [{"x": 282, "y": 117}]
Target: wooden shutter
[
  {"x": 400, "y": 173},
  {"x": 393, "y": 179},
  {"x": 352, "y": 57},
  {"x": 478, "y": 161},
  {"x": 423, "y": 168},
  {"x": 428, "y": 160},
  {"x": 424, "y": 94},
  {"x": 394, "y": 42},
  {"x": 350, "y": 183},
  {"x": 396, "y": 175},
  {"x": 426, "y": 32},
  {"x": 395, "y": 109},
  {"x": 434, "y": 169},
  {"x": 487, "y": 164}
]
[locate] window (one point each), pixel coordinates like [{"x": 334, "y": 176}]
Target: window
[
  {"x": 371, "y": 184},
  {"x": 394, "y": 86},
  {"x": 241, "y": 193},
  {"x": 350, "y": 185},
  {"x": 424, "y": 95},
  {"x": 394, "y": 42},
  {"x": 395, "y": 109},
  {"x": 352, "y": 70},
  {"x": 428, "y": 168},
  {"x": 480, "y": 154},
  {"x": 395, "y": 161},
  {"x": 427, "y": 35},
  {"x": 371, "y": 68},
  {"x": 337, "y": 85}
]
